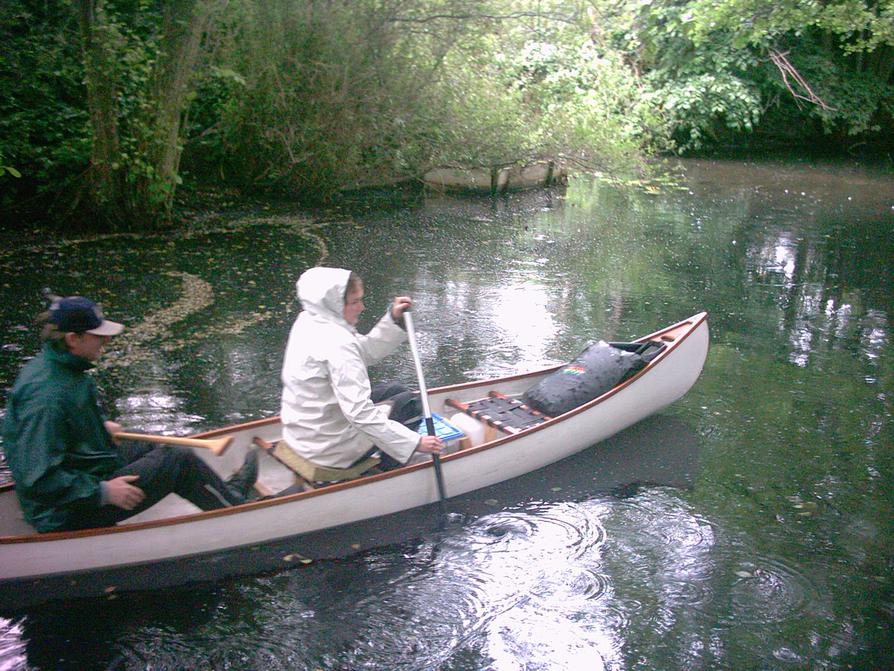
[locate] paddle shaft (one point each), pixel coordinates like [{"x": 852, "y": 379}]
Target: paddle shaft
[
  {"x": 216, "y": 445},
  {"x": 426, "y": 409}
]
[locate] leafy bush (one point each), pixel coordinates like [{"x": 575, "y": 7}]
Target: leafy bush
[{"x": 44, "y": 131}]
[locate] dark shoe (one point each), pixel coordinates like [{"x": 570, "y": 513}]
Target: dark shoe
[{"x": 241, "y": 482}]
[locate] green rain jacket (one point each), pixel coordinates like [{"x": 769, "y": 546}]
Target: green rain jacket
[{"x": 55, "y": 439}]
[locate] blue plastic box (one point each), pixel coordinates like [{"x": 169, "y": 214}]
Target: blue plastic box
[
  {"x": 449, "y": 434},
  {"x": 443, "y": 429}
]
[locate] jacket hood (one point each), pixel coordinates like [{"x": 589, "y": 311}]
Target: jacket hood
[{"x": 322, "y": 292}]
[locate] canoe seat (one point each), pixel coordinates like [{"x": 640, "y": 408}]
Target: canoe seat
[
  {"x": 509, "y": 415},
  {"x": 311, "y": 475}
]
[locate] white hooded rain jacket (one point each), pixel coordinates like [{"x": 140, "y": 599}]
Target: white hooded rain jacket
[{"x": 327, "y": 414}]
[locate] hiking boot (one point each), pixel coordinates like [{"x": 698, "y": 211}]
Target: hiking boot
[{"x": 241, "y": 482}]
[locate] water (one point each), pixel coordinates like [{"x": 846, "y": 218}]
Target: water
[{"x": 747, "y": 526}]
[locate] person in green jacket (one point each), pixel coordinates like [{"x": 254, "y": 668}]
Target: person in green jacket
[{"x": 69, "y": 473}]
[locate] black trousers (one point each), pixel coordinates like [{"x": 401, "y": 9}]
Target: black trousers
[
  {"x": 406, "y": 408},
  {"x": 162, "y": 470}
]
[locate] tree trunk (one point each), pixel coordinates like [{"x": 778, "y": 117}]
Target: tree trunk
[
  {"x": 136, "y": 190},
  {"x": 104, "y": 182},
  {"x": 182, "y": 40}
]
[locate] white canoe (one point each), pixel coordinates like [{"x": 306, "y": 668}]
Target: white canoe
[
  {"x": 497, "y": 179},
  {"x": 175, "y": 543}
]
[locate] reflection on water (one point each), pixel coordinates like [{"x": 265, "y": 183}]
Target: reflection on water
[
  {"x": 12, "y": 644},
  {"x": 518, "y": 318},
  {"x": 748, "y": 526},
  {"x": 541, "y": 571}
]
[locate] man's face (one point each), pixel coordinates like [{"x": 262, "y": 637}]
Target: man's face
[
  {"x": 354, "y": 305},
  {"x": 86, "y": 345}
]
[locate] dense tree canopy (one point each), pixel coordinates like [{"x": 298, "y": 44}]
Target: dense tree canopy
[{"x": 110, "y": 105}]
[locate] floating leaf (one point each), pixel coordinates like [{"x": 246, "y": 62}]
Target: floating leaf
[{"x": 297, "y": 557}]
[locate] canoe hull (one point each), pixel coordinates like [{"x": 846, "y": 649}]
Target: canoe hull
[
  {"x": 331, "y": 521},
  {"x": 497, "y": 179}
]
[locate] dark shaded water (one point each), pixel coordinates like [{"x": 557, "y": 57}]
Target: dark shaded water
[{"x": 748, "y": 526}]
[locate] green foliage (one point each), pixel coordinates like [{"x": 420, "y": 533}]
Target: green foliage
[
  {"x": 307, "y": 97},
  {"x": 61, "y": 142},
  {"x": 8, "y": 169},
  {"x": 131, "y": 50},
  {"x": 551, "y": 94},
  {"x": 857, "y": 25},
  {"x": 139, "y": 69},
  {"x": 703, "y": 89},
  {"x": 855, "y": 103},
  {"x": 44, "y": 136},
  {"x": 588, "y": 105},
  {"x": 792, "y": 69},
  {"x": 277, "y": 108},
  {"x": 841, "y": 58}
]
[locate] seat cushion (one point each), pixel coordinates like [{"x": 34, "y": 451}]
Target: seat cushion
[{"x": 316, "y": 473}]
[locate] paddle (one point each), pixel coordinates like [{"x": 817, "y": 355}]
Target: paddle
[
  {"x": 215, "y": 445},
  {"x": 426, "y": 410}
]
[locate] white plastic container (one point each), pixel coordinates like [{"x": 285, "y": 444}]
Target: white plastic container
[{"x": 470, "y": 426}]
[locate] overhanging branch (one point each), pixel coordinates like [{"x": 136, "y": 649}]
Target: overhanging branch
[
  {"x": 800, "y": 90},
  {"x": 480, "y": 16}
]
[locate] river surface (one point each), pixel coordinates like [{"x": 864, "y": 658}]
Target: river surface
[{"x": 748, "y": 526}]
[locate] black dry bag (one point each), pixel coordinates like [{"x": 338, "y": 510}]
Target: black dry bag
[{"x": 597, "y": 369}]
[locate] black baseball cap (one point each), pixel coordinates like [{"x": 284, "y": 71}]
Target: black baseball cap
[{"x": 76, "y": 314}]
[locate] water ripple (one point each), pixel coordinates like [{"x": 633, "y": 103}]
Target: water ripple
[
  {"x": 767, "y": 590},
  {"x": 574, "y": 585},
  {"x": 547, "y": 527},
  {"x": 677, "y": 562}
]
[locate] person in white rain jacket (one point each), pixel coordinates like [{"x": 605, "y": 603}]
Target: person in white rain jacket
[{"x": 328, "y": 411}]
